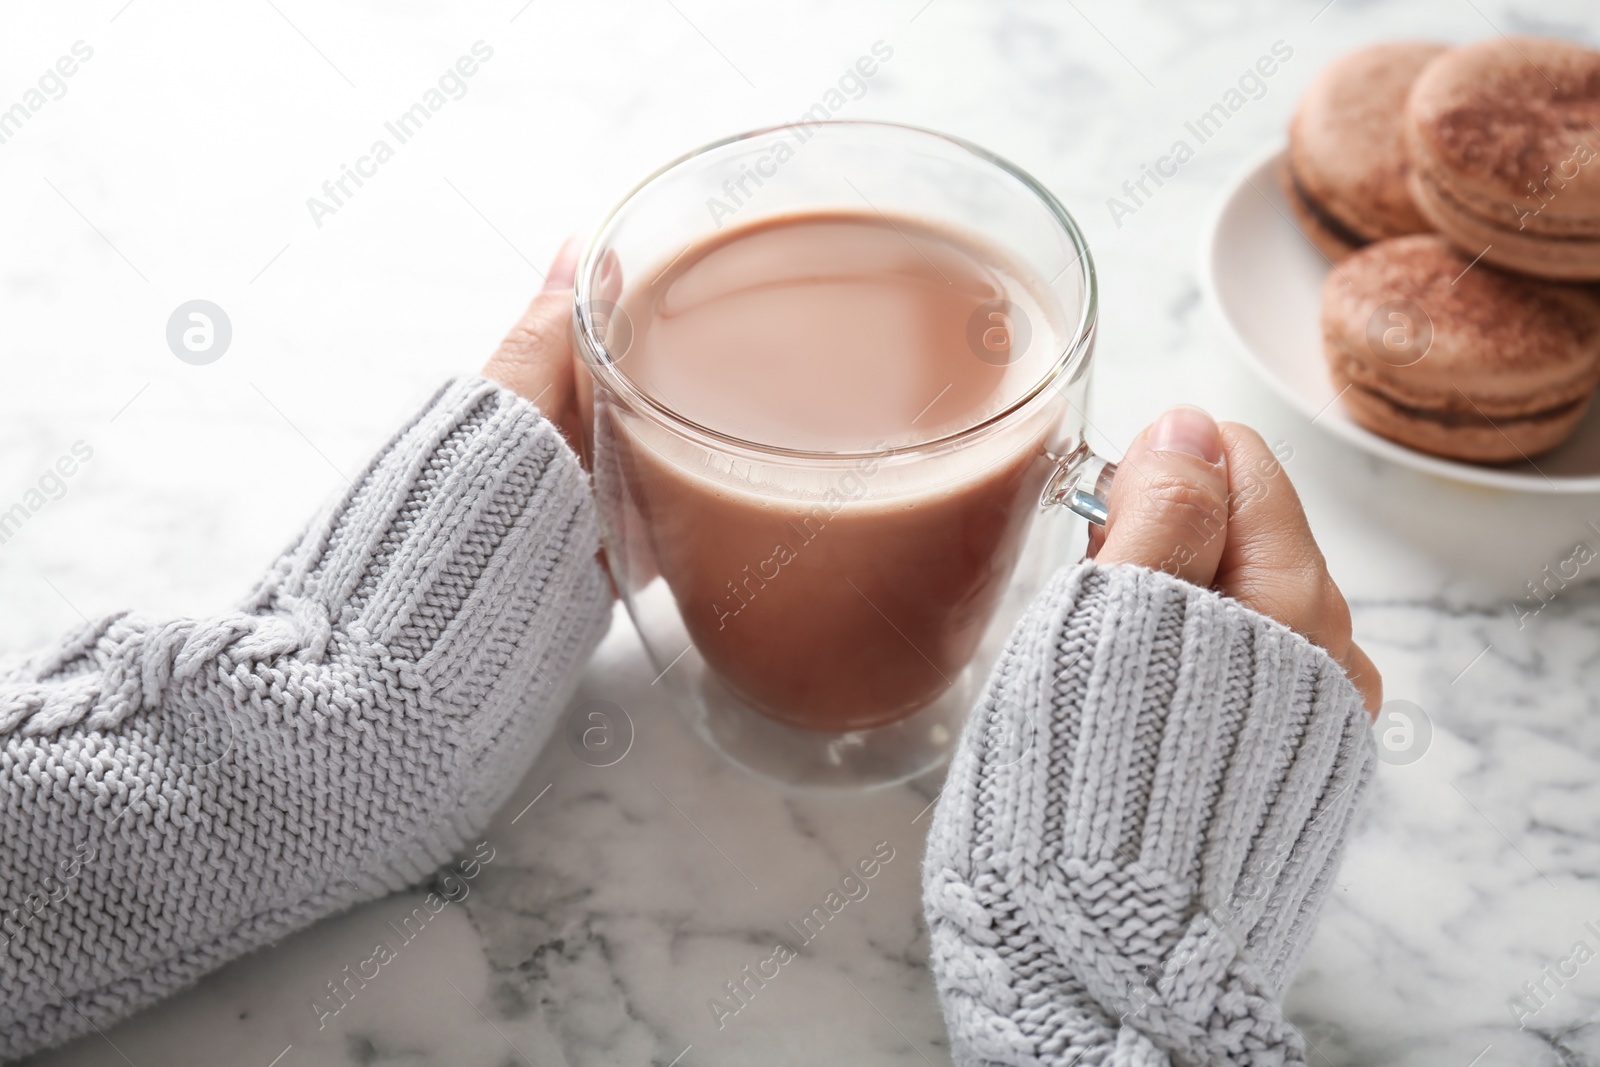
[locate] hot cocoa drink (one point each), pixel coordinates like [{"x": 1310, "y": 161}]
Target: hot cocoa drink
[{"x": 853, "y": 588}]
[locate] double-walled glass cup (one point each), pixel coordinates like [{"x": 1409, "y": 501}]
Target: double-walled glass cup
[{"x": 826, "y": 618}]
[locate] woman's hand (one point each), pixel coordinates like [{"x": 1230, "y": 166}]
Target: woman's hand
[
  {"x": 1212, "y": 505},
  {"x": 536, "y": 358}
]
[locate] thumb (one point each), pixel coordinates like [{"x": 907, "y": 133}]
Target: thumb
[
  {"x": 1169, "y": 502},
  {"x": 535, "y": 359}
]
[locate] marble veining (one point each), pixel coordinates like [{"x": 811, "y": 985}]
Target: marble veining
[{"x": 620, "y": 902}]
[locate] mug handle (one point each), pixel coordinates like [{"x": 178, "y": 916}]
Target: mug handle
[{"x": 1081, "y": 483}]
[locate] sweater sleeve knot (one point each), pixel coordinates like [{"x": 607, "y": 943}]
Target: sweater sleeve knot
[
  {"x": 124, "y": 664},
  {"x": 200, "y": 787}
]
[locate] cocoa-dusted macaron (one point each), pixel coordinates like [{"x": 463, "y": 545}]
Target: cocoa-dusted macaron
[
  {"x": 1458, "y": 359},
  {"x": 1505, "y": 153},
  {"x": 1346, "y": 170}
]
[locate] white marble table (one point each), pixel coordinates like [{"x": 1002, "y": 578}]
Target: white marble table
[{"x": 177, "y": 165}]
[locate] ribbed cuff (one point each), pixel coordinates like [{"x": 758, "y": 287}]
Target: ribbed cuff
[
  {"x": 464, "y": 557},
  {"x": 1140, "y": 825}
]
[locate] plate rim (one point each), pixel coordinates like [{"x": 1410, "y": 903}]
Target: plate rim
[{"x": 1528, "y": 482}]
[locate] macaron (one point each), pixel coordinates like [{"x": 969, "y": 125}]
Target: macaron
[
  {"x": 1456, "y": 358},
  {"x": 1504, "y": 137},
  {"x": 1346, "y": 171}
]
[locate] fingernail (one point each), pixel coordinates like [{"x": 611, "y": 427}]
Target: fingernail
[
  {"x": 608, "y": 279},
  {"x": 1190, "y": 431},
  {"x": 564, "y": 268}
]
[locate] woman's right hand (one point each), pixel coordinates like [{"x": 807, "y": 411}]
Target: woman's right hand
[{"x": 1213, "y": 506}]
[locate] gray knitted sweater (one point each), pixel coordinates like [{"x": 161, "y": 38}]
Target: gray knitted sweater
[
  {"x": 1137, "y": 830},
  {"x": 176, "y": 793}
]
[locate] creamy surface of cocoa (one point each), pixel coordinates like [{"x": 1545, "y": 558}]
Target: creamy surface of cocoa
[{"x": 835, "y": 592}]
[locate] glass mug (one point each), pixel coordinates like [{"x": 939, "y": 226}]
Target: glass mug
[{"x": 827, "y": 618}]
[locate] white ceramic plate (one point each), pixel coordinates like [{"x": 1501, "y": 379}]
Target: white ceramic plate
[{"x": 1266, "y": 279}]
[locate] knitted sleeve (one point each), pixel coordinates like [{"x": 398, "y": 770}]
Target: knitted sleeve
[
  {"x": 174, "y": 793},
  {"x": 1139, "y": 827}
]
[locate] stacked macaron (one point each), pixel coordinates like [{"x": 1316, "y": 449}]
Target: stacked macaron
[
  {"x": 1504, "y": 136},
  {"x": 1474, "y": 364},
  {"x": 1347, "y": 169},
  {"x": 1457, "y": 193}
]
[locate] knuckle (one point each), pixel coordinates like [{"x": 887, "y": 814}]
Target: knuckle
[
  {"x": 540, "y": 331},
  {"x": 1184, "y": 502},
  {"x": 529, "y": 339}
]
